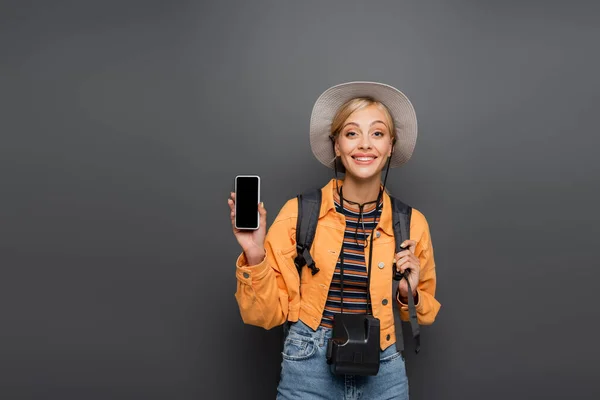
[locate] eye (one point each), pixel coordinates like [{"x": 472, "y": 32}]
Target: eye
[
  {"x": 350, "y": 133},
  {"x": 378, "y": 133}
]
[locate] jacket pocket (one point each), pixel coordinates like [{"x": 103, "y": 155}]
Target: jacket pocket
[{"x": 286, "y": 256}]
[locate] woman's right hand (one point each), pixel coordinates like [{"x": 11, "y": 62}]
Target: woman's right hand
[{"x": 251, "y": 241}]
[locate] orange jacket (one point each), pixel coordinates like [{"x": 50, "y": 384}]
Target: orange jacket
[{"x": 270, "y": 293}]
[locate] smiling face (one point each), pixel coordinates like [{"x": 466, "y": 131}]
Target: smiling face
[{"x": 364, "y": 141}]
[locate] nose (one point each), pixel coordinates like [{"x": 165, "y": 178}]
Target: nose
[{"x": 365, "y": 142}]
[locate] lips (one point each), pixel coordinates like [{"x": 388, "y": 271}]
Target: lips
[{"x": 363, "y": 159}]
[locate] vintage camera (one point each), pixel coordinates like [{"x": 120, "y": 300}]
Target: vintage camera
[{"x": 354, "y": 346}]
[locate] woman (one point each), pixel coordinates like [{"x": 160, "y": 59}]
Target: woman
[{"x": 358, "y": 128}]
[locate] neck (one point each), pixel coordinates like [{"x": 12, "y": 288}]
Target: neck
[{"x": 361, "y": 190}]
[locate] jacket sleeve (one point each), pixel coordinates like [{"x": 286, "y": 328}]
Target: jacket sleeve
[
  {"x": 427, "y": 306},
  {"x": 266, "y": 291}
]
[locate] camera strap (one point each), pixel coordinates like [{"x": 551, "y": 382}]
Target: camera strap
[{"x": 369, "y": 310}]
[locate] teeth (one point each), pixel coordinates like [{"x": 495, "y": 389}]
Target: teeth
[{"x": 364, "y": 158}]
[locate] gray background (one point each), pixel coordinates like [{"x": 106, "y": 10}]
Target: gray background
[{"x": 124, "y": 123}]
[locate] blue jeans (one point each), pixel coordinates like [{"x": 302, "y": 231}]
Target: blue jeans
[{"x": 305, "y": 374}]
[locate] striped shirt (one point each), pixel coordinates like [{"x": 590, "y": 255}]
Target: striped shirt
[{"x": 358, "y": 229}]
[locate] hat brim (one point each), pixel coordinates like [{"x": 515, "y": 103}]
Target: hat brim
[{"x": 328, "y": 104}]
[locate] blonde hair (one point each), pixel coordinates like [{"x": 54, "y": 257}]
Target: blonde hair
[{"x": 359, "y": 103}]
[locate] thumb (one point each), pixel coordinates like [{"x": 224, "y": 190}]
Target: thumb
[{"x": 262, "y": 212}]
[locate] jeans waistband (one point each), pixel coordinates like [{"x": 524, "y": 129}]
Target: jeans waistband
[{"x": 321, "y": 335}]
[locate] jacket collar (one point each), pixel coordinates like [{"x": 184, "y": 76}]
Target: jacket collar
[{"x": 328, "y": 205}]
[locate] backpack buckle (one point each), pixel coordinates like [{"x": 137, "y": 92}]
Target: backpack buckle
[
  {"x": 310, "y": 263},
  {"x": 299, "y": 261},
  {"x": 304, "y": 258}
]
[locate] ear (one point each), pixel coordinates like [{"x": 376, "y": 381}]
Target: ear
[{"x": 336, "y": 148}]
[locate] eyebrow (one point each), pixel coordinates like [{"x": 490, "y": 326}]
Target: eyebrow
[
  {"x": 372, "y": 123},
  {"x": 349, "y": 123}
]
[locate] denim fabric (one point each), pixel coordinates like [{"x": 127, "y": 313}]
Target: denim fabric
[{"x": 305, "y": 374}]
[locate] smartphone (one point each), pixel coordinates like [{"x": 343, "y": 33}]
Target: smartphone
[{"x": 247, "y": 197}]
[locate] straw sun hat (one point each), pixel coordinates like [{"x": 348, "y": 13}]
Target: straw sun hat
[{"x": 330, "y": 101}]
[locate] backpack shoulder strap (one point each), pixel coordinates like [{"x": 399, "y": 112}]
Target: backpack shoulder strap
[
  {"x": 309, "y": 205},
  {"x": 401, "y": 214}
]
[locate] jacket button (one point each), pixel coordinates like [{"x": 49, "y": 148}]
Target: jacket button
[
  {"x": 246, "y": 275},
  {"x": 377, "y": 234},
  {"x": 387, "y": 337},
  {"x": 381, "y": 265},
  {"x": 384, "y": 302}
]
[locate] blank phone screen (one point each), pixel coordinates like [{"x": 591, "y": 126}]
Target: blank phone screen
[{"x": 246, "y": 202}]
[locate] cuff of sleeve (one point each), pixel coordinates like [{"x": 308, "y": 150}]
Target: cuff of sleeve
[
  {"x": 247, "y": 273},
  {"x": 404, "y": 307}
]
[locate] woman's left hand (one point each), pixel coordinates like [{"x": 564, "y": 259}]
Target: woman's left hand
[{"x": 407, "y": 261}]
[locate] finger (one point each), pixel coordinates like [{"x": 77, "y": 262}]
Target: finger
[
  {"x": 403, "y": 264},
  {"x": 231, "y": 205},
  {"x": 401, "y": 254},
  {"x": 233, "y": 196},
  {"x": 401, "y": 260},
  {"x": 410, "y": 244},
  {"x": 235, "y": 230},
  {"x": 262, "y": 211}
]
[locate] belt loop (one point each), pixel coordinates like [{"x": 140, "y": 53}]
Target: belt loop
[{"x": 321, "y": 337}]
